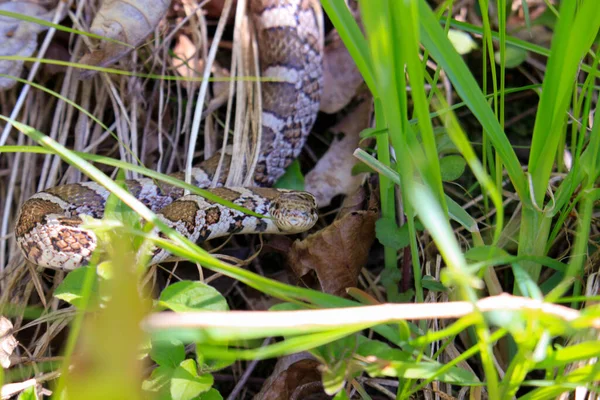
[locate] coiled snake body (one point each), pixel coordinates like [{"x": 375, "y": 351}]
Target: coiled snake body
[{"x": 290, "y": 35}]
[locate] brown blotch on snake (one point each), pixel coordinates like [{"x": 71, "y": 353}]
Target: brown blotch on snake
[{"x": 36, "y": 212}]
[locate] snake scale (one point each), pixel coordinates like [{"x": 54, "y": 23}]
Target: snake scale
[{"x": 290, "y": 35}]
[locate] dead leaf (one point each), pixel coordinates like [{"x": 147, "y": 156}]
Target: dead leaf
[
  {"x": 340, "y": 75},
  {"x": 337, "y": 253},
  {"x": 333, "y": 173},
  {"x": 128, "y": 21},
  {"x": 294, "y": 377},
  {"x": 8, "y": 343},
  {"x": 18, "y": 37},
  {"x": 188, "y": 65}
]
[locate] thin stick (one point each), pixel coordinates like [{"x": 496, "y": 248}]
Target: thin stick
[{"x": 340, "y": 317}]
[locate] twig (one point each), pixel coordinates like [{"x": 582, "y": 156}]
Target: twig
[{"x": 340, "y": 317}]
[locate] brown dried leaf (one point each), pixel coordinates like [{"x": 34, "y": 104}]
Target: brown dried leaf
[
  {"x": 188, "y": 65},
  {"x": 128, "y": 21},
  {"x": 8, "y": 343},
  {"x": 295, "y": 376},
  {"x": 337, "y": 253},
  {"x": 19, "y": 38},
  {"x": 333, "y": 173}
]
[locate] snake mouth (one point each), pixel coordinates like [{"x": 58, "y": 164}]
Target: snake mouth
[
  {"x": 296, "y": 221},
  {"x": 294, "y": 212}
]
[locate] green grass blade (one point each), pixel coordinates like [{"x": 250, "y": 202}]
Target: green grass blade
[
  {"x": 437, "y": 43},
  {"x": 406, "y": 34},
  {"x": 569, "y": 45}
]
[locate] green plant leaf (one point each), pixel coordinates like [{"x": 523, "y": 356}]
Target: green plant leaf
[
  {"x": 71, "y": 288},
  {"x": 212, "y": 394},
  {"x": 192, "y": 296},
  {"x": 341, "y": 395},
  {"x": 167, "y": 353},
  {"x": 452, "y": 167},
  {"x": 390, "y": 235},
  {"x": 159, "y": 380},
  {"x": 292, "y": 179},
  {"x": 376, "y": 348},
  {"x": 28, "y": 394},
  {"x": 513, "y": 57},
  {"x": 186, "y": 384},
  {"x": 430, "y": 283},
  {"x": 462, "y": 41}
]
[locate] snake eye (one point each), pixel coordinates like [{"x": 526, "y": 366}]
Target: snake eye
[{"x": 294, "y": 212}]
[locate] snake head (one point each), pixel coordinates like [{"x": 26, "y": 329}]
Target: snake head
[{"x": 294, "y": 212}]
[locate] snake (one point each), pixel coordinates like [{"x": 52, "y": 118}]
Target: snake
[{"x": 49, "y": 228}]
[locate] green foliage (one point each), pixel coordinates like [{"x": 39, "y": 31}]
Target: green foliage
[
  {"x": 167, "y": 353},
  {"x": 452, "y": 167},
  {"x": 192, "y": 296},
  {"x": 462, "y": 41},
  {"x": 72, "y": 289},
  {"x": 390, "y": 235},
  {"x": 433, "y": 285},
  {"x": 292, "y": 179},
  {"x": 514, "y": 57},
  {"x": 186, "y": 384},
  {"x": 28, "y": 394},
  {"x": 179, "y": 380}
]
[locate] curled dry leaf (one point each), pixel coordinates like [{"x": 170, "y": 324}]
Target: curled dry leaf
[
  {"x": 18, "y": 37},
  {"x": 337, "y": 253},
  {"x": 295, "y": 377},
  {"x": 333, "y": 173},
  {"x": 340, "y": 74},
  {"x": 128, "y": 21},
  {"x": 8, "y": 343}
]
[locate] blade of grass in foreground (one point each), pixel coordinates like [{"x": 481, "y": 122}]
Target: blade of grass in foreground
[{"x": 391, "y": 89}]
